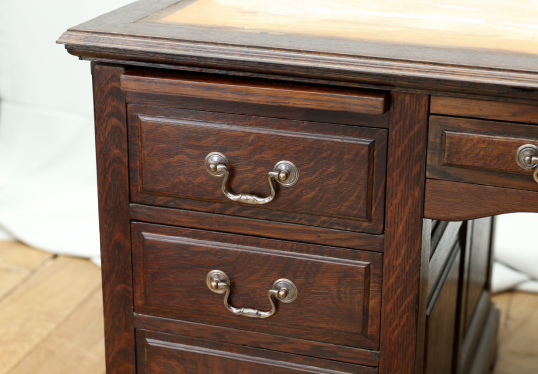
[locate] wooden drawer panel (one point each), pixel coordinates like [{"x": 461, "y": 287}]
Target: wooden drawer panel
[
  {"x": 159, "y": 353},
  {"x": 477, "y": 151},
  {"x": 495, "y": 110},
  {"x": 338, "y": 298},
  {"x": 255, "y": 91},
  {"x": 441, "y": 320},
  {"x": 341, "y": 168}
]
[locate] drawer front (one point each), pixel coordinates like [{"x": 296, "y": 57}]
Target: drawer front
[
  {"x": 165, "y": 353},
  {"x": 251, "y": 91},
  {"x": 340, "y": 169},
  {"x": 477, "y": 151},
  {"x": 338, "y": 291}
]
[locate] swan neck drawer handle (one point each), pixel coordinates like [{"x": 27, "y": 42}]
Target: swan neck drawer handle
[
  {"x": 284, "y": 172},
  {"x": 527, "y": 158},
  {"x": 283, "y": 289}
]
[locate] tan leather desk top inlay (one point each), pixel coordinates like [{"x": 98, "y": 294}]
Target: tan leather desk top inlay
[{"x": 496, "y": 25}]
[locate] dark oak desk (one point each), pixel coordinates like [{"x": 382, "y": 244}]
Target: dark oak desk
[{"x": 338, "y": 164}]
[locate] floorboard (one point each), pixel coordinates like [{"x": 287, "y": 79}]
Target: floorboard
[
  {"x": 17, "y": 263},
  {"x": 75, "y": 347},
  {"x": 518, "y": 350},
  {"x": 32, "y": 311}
]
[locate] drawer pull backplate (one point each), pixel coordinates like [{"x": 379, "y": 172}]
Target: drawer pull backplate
[
  {"x": 527, "y": 158},
  {"x": 284, "y": 172},
  {"x": 283, "y": 289}
]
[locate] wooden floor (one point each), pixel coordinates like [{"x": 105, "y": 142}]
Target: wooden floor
[
  {"x": 51, "y": 317},
  {"x": 518, "y": 333},
  {"x": 50, "y": 313}
]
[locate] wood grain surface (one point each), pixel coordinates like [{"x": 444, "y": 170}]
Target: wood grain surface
[
  {"x": 15, "y": 268},
  {"x": 480, "y": 252},
  {"x": 518, "y": 348},
  {"x": 403, "y": 233},
  {"x": 76, "y": 346},
  {"x": 33, "y": 310},
  {"x": 339, "y": 290},
  {"x": 255, "y": 227},
  {"x": 259, "y": 340},
  {"x": 486, "y": 109},
  {"x": 441, "y": 320},
  {"x": 471, "y": 337},
  {"x": 341, "y": 168},
  {"x": 114, "y": 225},
  {"x": 55, "y": 321},
  {"x": 263, "y": 110},
  {"x": 477, "y": 151},
  {"x": 486, "y": 352},
  {"x": 255, "y": 91},
  {"x": 163, "y": 353},
  {"x": 454, "y": 201},
  {"x": 441, "y": 254}
]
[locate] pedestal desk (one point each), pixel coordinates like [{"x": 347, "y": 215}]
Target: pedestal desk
[{"x": 307, "y": 186}]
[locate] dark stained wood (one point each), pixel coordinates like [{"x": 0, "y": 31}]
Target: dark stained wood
[
  {"x": 472, "y": 336},
  {"x": 428, "y": 87},
  {"x": 438, "y": 229},
  {"x": 384, "y": 74},
  {"x": 114, "y": 225},
  {"x": 465, "y": 242},
  {"x": 441, "y": 320},
  {"x": 441, "y": 254},
  {"x": 471, "y": 150},
  {"x": 495, "y": 110},
  {"x": 484, "y": 357},
  {"x": 255, "y": 91},
  {"x": 477, "y": 151},
  {"x": 339, "y": 290},
  {"x": 248, "y": 226},
  {"x": 403, "y": 232},
  {"x": 427, "y": 228},
  {"x": 480, "y": 253},
  {"x": 341, "y": 168},
  {"x": 454, "y": 201},
  {"x": 165, "y": 353},
  {"x": 258, "y": 340},
  {"x": 308, "y": 114}
]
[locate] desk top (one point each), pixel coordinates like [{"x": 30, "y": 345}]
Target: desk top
[
  {"x": 498, "y": 26},
  {"x": 425, "y": 36}
]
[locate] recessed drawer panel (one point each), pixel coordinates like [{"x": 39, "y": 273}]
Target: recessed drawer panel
[
  {"x": 331, "y": 295},
  {"x": 159, "y": 353},
  {"x": 482, "y": 152},
  {"x": 335, "y": 174}
]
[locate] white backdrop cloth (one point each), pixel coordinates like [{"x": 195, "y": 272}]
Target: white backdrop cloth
[
  {"x": 516, "y": 252},
  {"x": 48, "y": 194}
]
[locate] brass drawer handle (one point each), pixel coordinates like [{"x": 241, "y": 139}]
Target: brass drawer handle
[
  {"x": 284, "y": 172},
  {"x": 527, "y": 158},
  {"x": 283, "y": 289}
]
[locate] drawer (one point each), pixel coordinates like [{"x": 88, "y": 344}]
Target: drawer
[
  {"x": 337, "y": 298},
  {"x": 338, "y": 183},
  {"x": 478, "y": 151},
  {"x": 269, "y": 98},
  {"x": 166, "y": 353}
]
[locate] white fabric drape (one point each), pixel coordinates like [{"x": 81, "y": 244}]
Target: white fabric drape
[
  {"x": 516, "y": 252},
  {"x": 48, "y": 195}
]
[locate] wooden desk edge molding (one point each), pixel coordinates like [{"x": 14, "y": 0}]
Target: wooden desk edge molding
[{"x": 307, "y": 167}]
